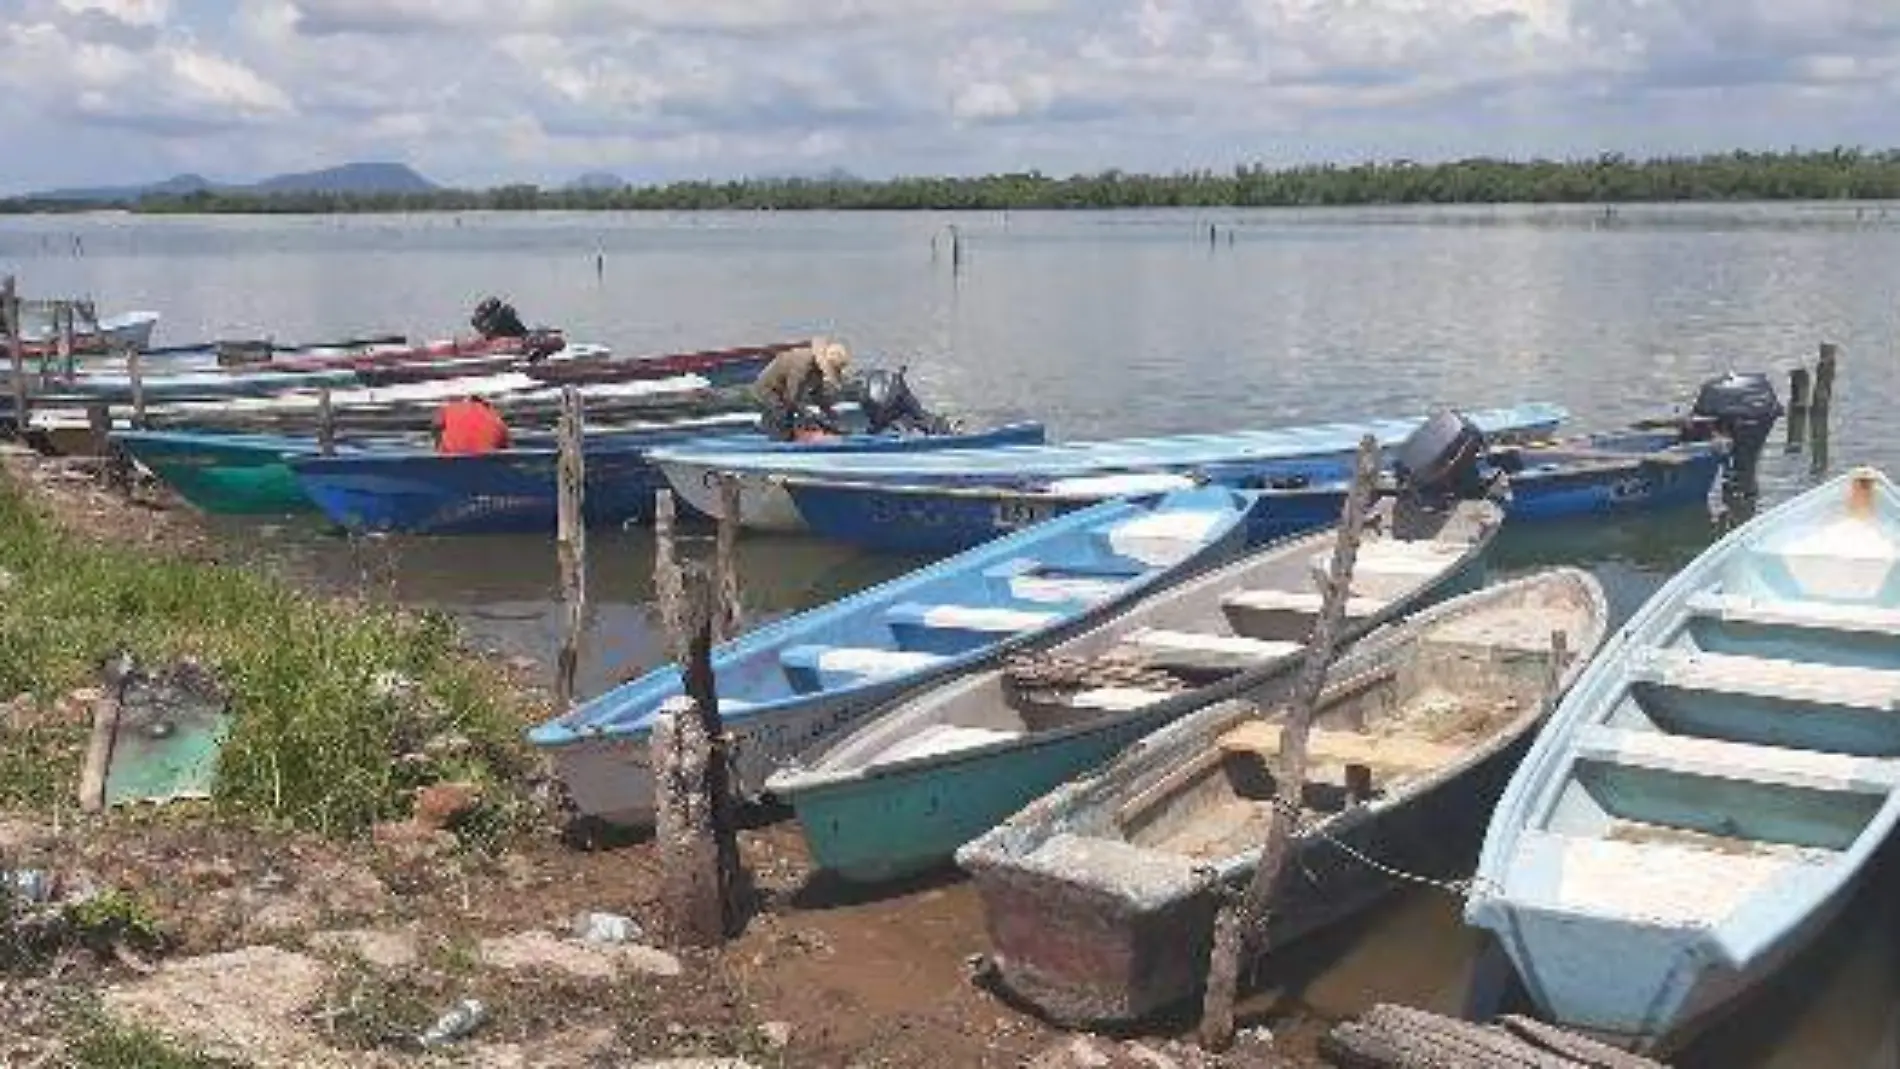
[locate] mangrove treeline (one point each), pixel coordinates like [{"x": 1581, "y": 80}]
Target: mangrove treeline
[{"x": 1839, "y": 174}]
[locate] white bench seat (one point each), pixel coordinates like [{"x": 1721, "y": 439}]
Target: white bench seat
[
  {"x": 944, "y": 738},
  {"x": 1195, "y": 649},
  {"x": 1820, "y": 615},
  {"x": 1116, "y": 699},
  {"x": 1298, "y": 601},
  {"x": 1720, "y": 759},
  {"x": 814, "y": 667},
  {"x": 1792, "y": 681}
]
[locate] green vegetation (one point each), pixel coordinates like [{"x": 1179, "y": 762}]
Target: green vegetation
[
  {"x": 339, "y": 710},
  {"x": 1832, "y": 175},
  {"x": 100, "y": 1044}
]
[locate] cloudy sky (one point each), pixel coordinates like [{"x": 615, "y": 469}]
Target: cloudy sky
[{"x": 479, "y": 92}]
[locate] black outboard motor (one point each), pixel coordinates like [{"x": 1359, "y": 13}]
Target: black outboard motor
[
  {"x": 888, "y": 402},
  {"x": 495, "y": 318},
  {"x": 1442, "y": 460},
  {"x": 1743, "y": 407}
]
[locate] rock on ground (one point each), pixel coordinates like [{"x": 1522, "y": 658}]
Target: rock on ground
[
  {"x": 247, "y": 1005},
  {"x": 583, "y": 961}
]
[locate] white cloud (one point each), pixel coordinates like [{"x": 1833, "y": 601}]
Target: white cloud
[{"x": 492, "y": 90}]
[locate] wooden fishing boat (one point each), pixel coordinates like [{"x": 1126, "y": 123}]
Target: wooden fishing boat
[
  {"x": 126, "y": 330},
  {"x": 793, "y": 683},
  {"x": 1100, "y": 897},
  {"x": 722, "y": 367},
  {"x": 767, "y": 505},
  {"x": 1707, "y": 797},
  {"x": 1599, "y": 474},
  {"x": 928, "y": 774},
  {"x": 418, "y": 491}
]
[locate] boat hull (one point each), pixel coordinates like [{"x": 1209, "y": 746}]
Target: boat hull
[
  {"x": 1087, "y": 957},
  {"x": 238, "y": 476}
]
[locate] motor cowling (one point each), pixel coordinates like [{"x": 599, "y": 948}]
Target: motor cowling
[
  {"x": 1742, "y": 406},
  {"x": 1442, "y": 458},
  {"x": 887, "y": 401}
]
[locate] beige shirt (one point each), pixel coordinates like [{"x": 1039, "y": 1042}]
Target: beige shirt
[{"x": 792, "y": 378}]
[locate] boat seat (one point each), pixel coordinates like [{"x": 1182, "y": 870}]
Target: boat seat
[
  {"x": 944, "y": 738},
  {"x": 1791, "y": 681},
  {"x": 1390, "y": 753},
  {"x": 1161, "y": 538},
  {"x": 1195, "y": 650},
  {"x": 1116, "y": 699},
  {"x": 813, "y": 668},
  {"x": 1057, "y": 589},
  {"x": 1386, "y": 556},
  {"x": 1819, "y": 615},
  {"x": 1719, "y": 759},
  {"x": 1287, "y": 615},
  {"x": 953, "y": 629},
  {"x": 1652, "y": 882}
]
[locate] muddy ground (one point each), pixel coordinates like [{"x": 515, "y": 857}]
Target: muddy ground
[{"x": 274, "y": 948}]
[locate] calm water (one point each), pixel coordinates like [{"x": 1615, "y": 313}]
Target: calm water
[{"x": 1103, "y": 324}]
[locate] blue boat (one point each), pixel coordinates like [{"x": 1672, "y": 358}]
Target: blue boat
[
  {"x": 693, "y": 471},
  {"x": 920, "y": 778},
  {"x": 1594, "y": 475},
  {"x": 422, "y": 492},
  {"x": 793, "y": 683},
  {"x": 1706, "y": 798}
]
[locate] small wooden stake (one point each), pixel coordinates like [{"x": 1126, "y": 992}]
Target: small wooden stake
[
  {"x": 10, "y": 300},
  {"x": 1240, "y": 927},
  {"x": 669, "y": 590},
  {"x": 63, "y": 346},
  {"x": 99, "y": 426},
  {"x": 1823, "y": 398},
  {"x": 1798, "y": 381},
  {"x": 105, "y": 727},
  {"x": 326, "y": 423},
  {"x": 725, "y": 561},
  {"x": 571, "y": 543},
  {"x": 694, "y": 818}
]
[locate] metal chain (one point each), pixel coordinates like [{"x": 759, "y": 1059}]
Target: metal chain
[{"x": 1455, "y": 888}]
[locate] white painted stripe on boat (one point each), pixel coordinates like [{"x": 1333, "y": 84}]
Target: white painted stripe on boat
[
  {"x": 1231, "y": 648},
  {"x": 942, "y": 739},
  {"x": 976, "y": 618},
  {"x": 1115, "y": 699},
  {"x": 866, "y": 661},
  {"x": 1297, "y": 601},
  {"x": 1722, "y": 759}
]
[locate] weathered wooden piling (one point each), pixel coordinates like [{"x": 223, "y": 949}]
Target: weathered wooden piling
[
  {"x": 135, "y": 369},
  {"x": 571, "y": 543},
  {"x": 64, "y": 345},
  {"x": 1823, "y": 397},
  {"x": 1799, "y": 380},
  {"x": 730, "y": 615},
  {"x": 1399, "y": 1037},
  {"x": 703, "y": 893},
  {"x": 326, "y": 423},
  {"x": 669, "y": 588},
  {"x": 1239, "y": 929},
  {"x": 99, "y": 428},
  {"x": 16, "y": 352}
]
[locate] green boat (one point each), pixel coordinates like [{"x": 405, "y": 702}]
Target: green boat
[{"x": 228, "y": 474}]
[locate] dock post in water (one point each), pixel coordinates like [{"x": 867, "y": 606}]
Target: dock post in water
[
  {"x": 10, "y": 310},
  {"x": 135, "y": 369},
  {"x": 571, "y": 544},
  {"x": 99, "y": 428},
  {"x": 326, "y": 423},
  {"x": 64, "y": 345},
  {"x": 726, "y": 561},
  {"x": 1798, "y": 399},
  {"x": 1240, "y": 927},
  {"x": 703, "y": 891},
  {"x": 1823, "y": 397}
]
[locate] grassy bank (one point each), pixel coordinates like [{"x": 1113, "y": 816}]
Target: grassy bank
[{"x": 339, "y": 710}]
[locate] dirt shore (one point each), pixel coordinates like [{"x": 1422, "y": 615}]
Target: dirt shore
[{"x": 362, "y": 944}]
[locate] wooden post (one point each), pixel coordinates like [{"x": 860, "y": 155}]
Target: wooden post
[
  {"x": 694, "y": 819},
  {"x": 99, "y": 427},
  {"x": 571, "y": 543},
  {"x": 10, "y": 298},
  {"x": 1823, "y": 398},
  {"x": 135, "y": 368},
  {"x": 1240, "y": 927},
  {"x": 669, "y": 591},
  {"x": 326, "y": 423},
  {"x": 1798, "y": 381},
  {"x": 725, "y": 561},
  {"x": 64, "y": 344}
]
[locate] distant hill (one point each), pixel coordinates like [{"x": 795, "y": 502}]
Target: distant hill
[
  {"x": 598, "y": 180},
  {"x": 349, "y": 178}
]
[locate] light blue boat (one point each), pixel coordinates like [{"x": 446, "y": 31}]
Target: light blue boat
[
  {"x": 792, "y": 684},
  {"x": 1704, "y": 801},
  {"x": 919, "y": 779},
  {"x": 694, "y": 473}
]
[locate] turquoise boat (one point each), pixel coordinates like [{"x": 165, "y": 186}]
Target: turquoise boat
[
  {"x": 227, "y": 474},
  {"x": 1707, "y": 797},
  {"x": 797, "y": 682},
  {"x": 900, "y": 794}
]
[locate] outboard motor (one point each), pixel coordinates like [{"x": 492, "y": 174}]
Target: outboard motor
[
  {"x": 888, "y": 402},
  {"x": 1743, "y": 407},
  {"x": 495, "y": 318},
  {"x": 1441, "y": 461}
]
